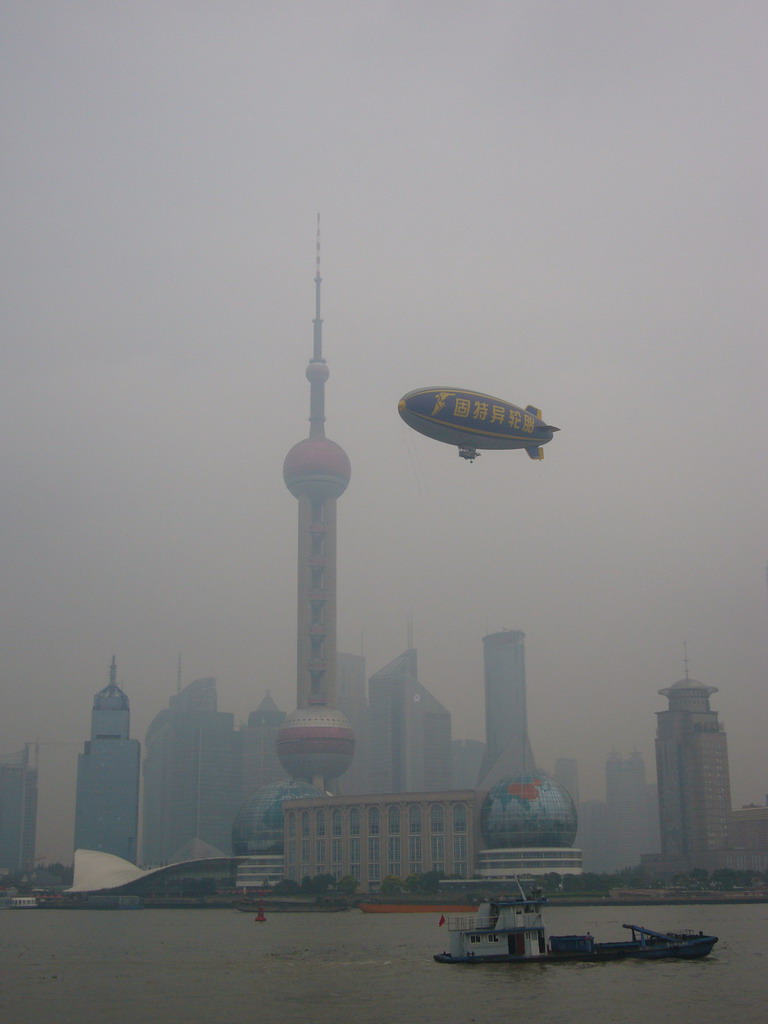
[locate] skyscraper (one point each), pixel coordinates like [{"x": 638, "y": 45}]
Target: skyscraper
[
  {"x": 410, "y": 731},
  {"x": 107, "y": 802},
  {"x": 627, "y": 810},
  {"x": 567, "y": 773},
  {"x": 466, "y": 761},
  {"x": 692, "y": 775},
  {"x": 593, "y": 835},
  {"x": 508, "y": 749},
  {"x": 316, "y": 742},
  {"x": 192, "y": 770},
  {"x": 18, "y": 812},
  {"x": 261, "y": 766},
  {"x": 353, "y": 701}
]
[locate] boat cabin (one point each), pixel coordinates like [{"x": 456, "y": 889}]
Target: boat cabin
[{"x": 503, "y": 927}]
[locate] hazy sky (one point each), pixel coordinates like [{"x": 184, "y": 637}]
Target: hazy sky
[{"x": 559, "y": 203}]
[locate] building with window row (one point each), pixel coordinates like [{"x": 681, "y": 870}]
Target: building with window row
[
  {"x": 373, "y": 837},
  {"x": 18, "y": 812},
  {"x": 692, "y": 777},
  {"x": 107, "y": 801}
]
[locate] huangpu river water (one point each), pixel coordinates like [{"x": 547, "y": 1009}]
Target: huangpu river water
[{"x": 220, "y": 967}]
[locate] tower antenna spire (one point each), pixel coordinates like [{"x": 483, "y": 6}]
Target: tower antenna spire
[
  {"x": 317, "y": 371},
  {"x": 317, "y": 252},
  {"x": 685, "y": 658},
  {"x": 317, "y": 353}
]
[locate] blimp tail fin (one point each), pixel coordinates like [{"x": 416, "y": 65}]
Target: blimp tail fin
[
  {"x": 535, "y": 453},
  {"x": 536, "y": 412}
]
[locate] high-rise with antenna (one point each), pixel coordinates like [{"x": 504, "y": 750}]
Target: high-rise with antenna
[
  {"x": 316, "y": 743},
  {"x": 107, "y": 806},
  {"x": 692, "y": 775}
]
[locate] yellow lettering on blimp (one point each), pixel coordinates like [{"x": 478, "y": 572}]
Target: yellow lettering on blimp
[
  {"x": 497, "y": 414},
  {"x": 440, "y": 399},
  {"x": 480, "y": 411},
  {"x": 528, "y": 422},
  {"x": 461, "y": 407},
  {"x": 515, "y": 417}
]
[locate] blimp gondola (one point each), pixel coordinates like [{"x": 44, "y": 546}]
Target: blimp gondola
[{"x": 470, "y": 420}]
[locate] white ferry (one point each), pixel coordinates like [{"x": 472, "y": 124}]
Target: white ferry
[{"x": 18, "y": 903}]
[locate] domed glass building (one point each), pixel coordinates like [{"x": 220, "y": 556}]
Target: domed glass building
[
  {"x": 258, "y": 826},
  {"x": 528, "y": 809}
]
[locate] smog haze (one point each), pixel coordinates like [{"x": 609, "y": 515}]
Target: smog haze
[{"x": 560, "y": 204}]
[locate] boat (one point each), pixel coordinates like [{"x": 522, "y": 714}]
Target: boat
[
  {"x": 20, "y": 903},
  {"x": 510, "y": 929},
  {"x": 416, "y": 908},
  {"x": 92, "y": 901},
  {"x": 292, "y": 904}
]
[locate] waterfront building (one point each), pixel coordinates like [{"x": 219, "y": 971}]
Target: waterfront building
[
  {"x": 749, "y": 828},
  {"x": 528, "y": 824},
  {"x": 258, "y": 832},
  {"x": 692, "y": 776},
  {"x": 18, "y": 812},
  {"x": 107, "y": 797},
  {"x": 508, "y": 748},
  {"x": 410, "y": 739},
  {"x": 380, "y": 835},
  {"x": 106, "y": 881},
  {"x": 192, "y": 775},
  {"x": 749, "y": 838},
  {"x": 316, "y": 742}
]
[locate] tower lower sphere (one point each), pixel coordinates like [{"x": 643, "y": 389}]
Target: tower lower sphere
[{"x": 316, "y": 744}]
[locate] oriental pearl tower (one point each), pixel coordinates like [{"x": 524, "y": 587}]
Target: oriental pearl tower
[{"x": 316, "y": 742}]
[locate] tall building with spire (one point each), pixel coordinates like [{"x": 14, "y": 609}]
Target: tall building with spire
[
  {"x": 316, "y": 742},
  {"x": 107, "y": 802},
  {"x": 692, "y": 775}
]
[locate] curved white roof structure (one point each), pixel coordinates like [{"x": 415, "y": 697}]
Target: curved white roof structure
[{"x": 96, "y": 870}]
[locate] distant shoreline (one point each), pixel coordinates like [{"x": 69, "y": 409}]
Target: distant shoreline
[
  {"x": 425, "y": 903},
  {"x": 636, "y": 899},
  {"x": 653, "y": 901}
]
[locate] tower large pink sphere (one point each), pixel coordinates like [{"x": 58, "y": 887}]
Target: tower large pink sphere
[{"x": 317, "y": 467}]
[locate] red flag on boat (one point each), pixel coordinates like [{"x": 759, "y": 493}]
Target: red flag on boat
[{"x": 441, "y": 922}]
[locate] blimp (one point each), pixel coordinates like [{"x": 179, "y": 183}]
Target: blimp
[{"x": 470, "y": 420}]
